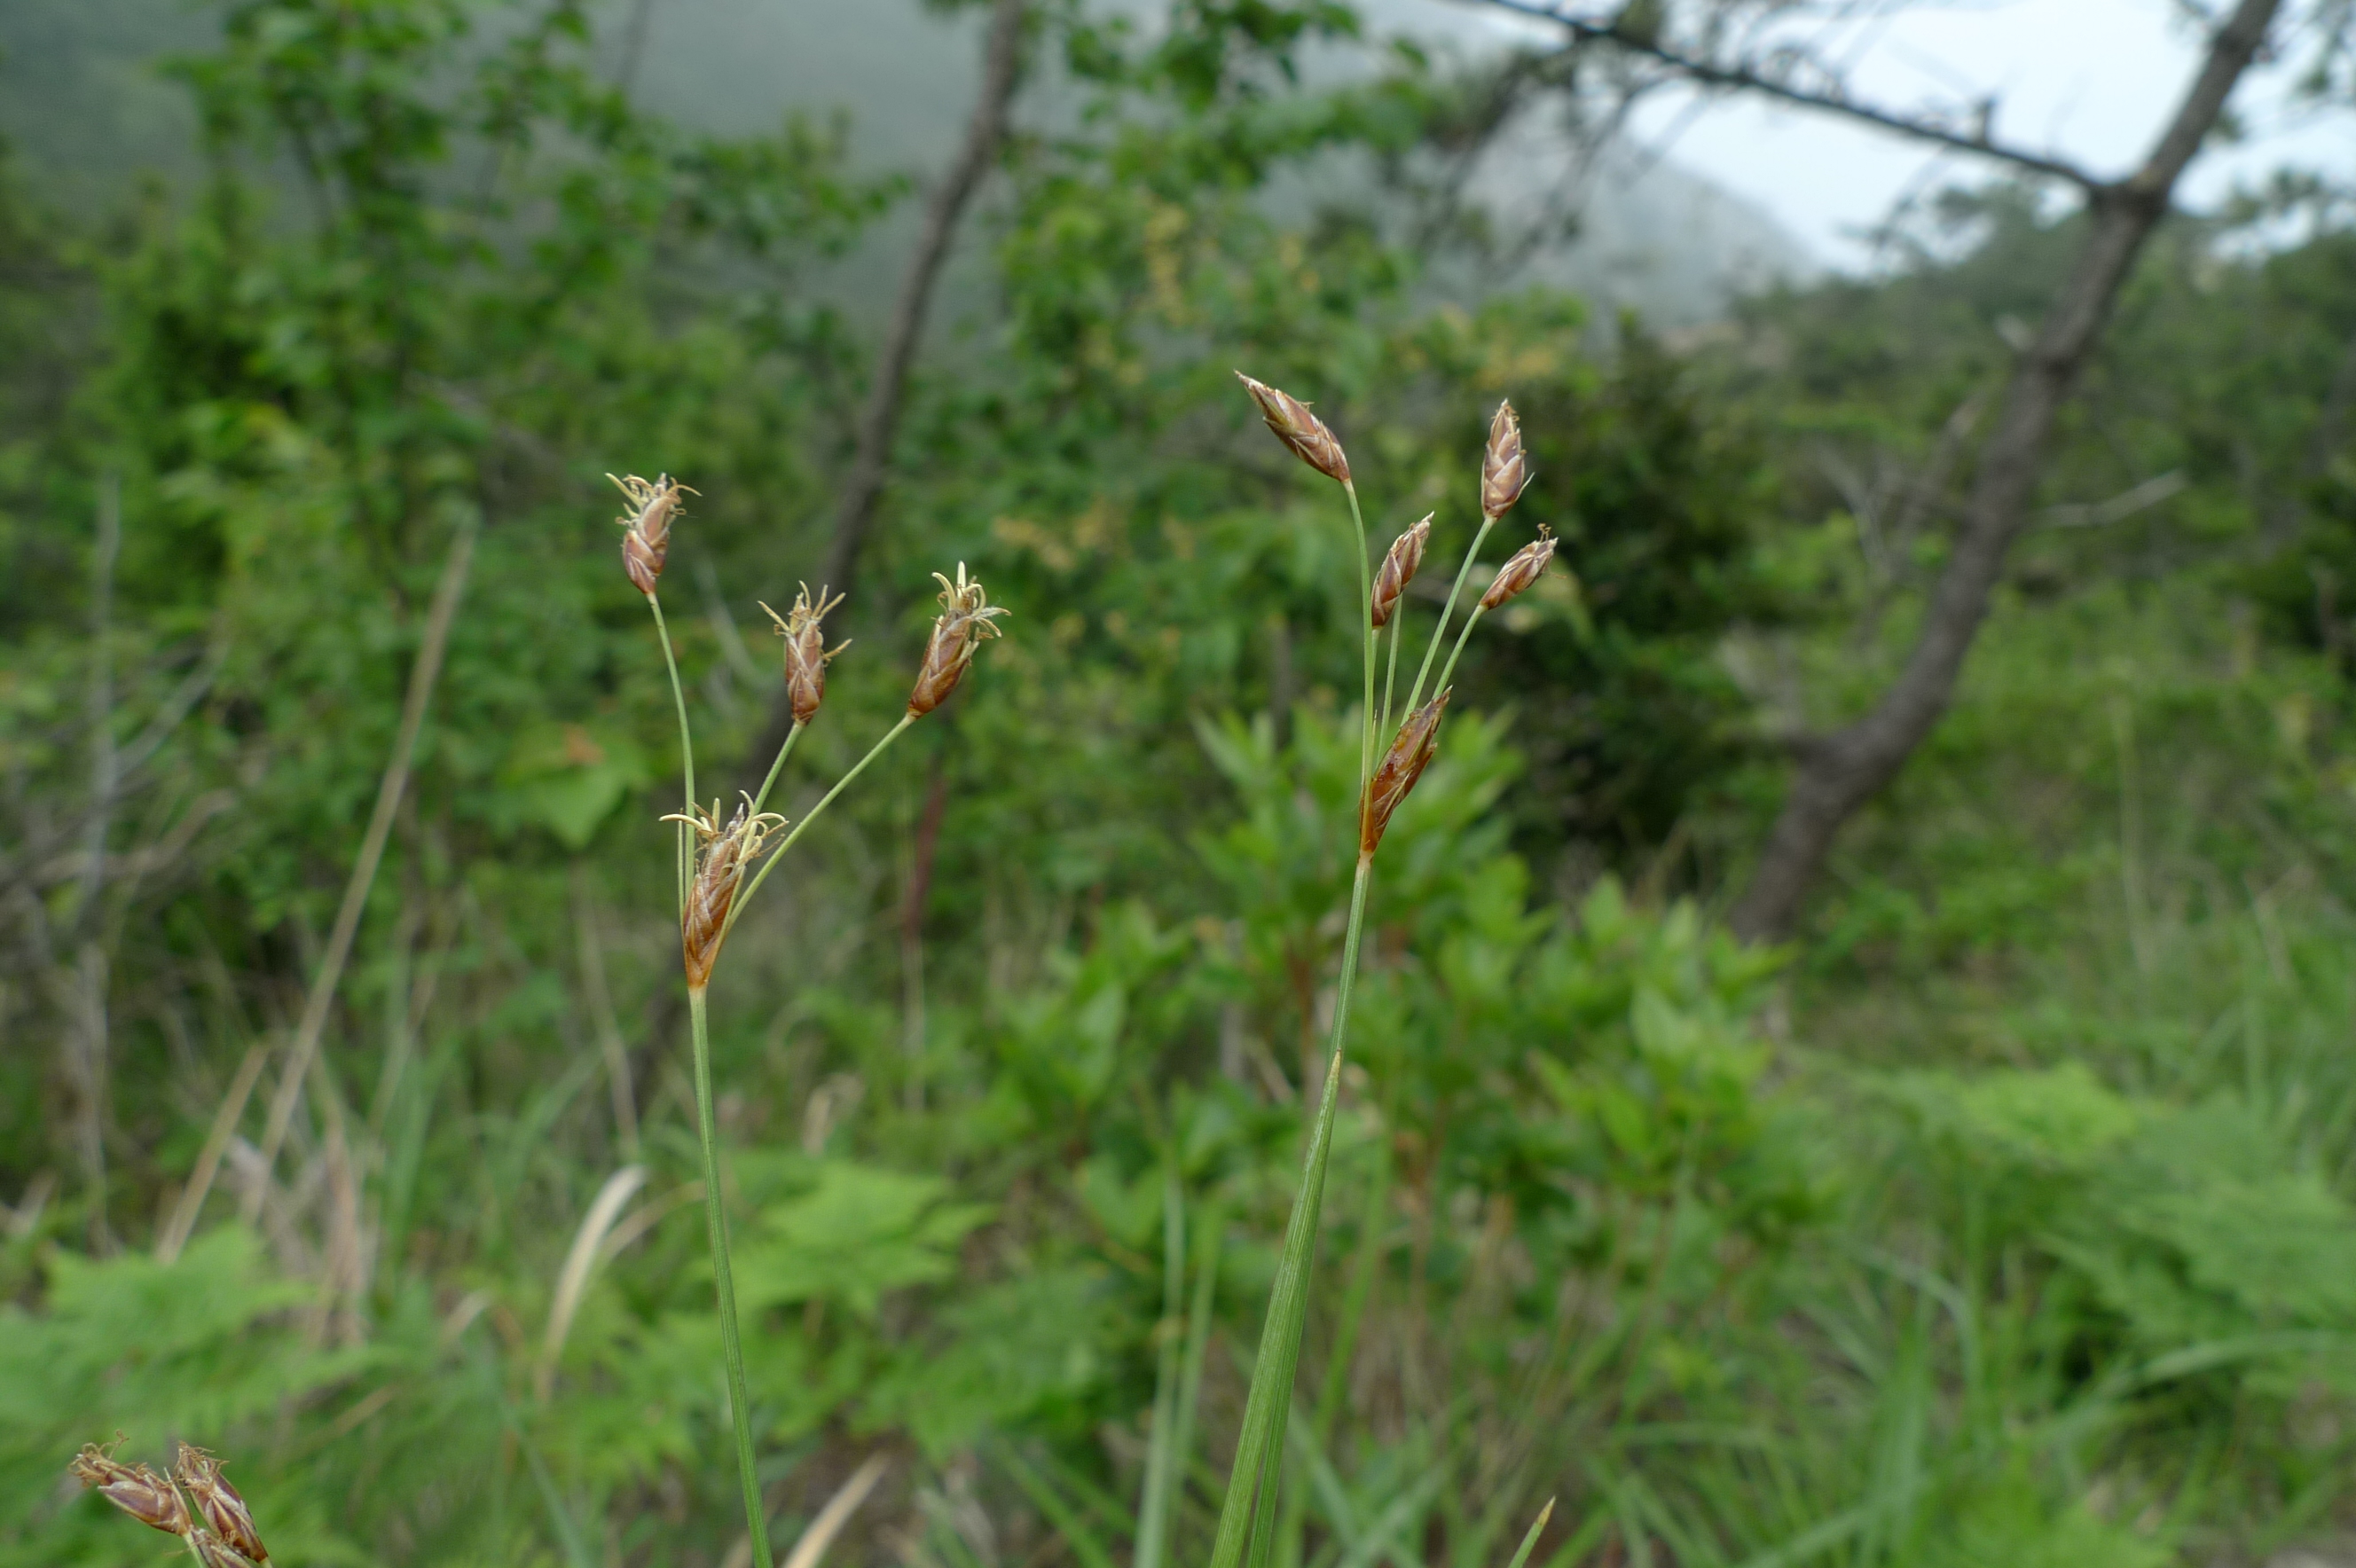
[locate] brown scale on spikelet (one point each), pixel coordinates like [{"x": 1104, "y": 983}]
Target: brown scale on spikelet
[
  {"x": 1527, "y": 565},
  {"x": 1400, "y": 567},
  {"x": 646, "y": 538},
  {"x": 965, "y": 622},
  {"x": 1504, "y": 469},
  {"x": 215, "y": 1552},
  {"x": 723, "y": 857},
  {"x": 806, "y": 654},
  {"x": 218, "y": 1501},
  {"x": 1299, "y": 429},
  {"x": 135, "y": 1489},
  {"x": 1411, "y": 752}
]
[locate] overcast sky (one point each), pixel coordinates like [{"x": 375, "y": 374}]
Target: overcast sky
[{"x": 2094, "y": 79}]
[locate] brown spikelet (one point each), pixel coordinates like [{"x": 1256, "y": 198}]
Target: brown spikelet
[
  {"x": 134, "y": 1488},
  {"x": 725, "y": 855},
  {"x": 645, "y": 540},
  {"x": 224, "y": 1511},
  {"x": 1504, "y": 468},
  {"x": 967, "y": 621},
  {"x": 806, "y": 654},
  {"x": 1411, "y": 752},
  {"x": 1299, "y": 429},
  {"x": 1399, "y": 569},
  {"x": 215, "y": 1552},
  {"x": 1527, "y": 565}
]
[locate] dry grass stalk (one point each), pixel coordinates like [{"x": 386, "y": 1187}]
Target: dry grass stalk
[
  {"x": 1403, "y": 763},
  {"x": 1299, "y": 429},
  {"x": 1399, "y": 566},
  {"x": 573, "y": 1280},
  {"x": 1504, "y": 468},
  {"x": 965, "y": 622},
  {"x": 646, "y": 537},
  {"x": 806, "y": 654},
  {"x": 726, "y": 853},
  {"x": 1527, "y": 566}
]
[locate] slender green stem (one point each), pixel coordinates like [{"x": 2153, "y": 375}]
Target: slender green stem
[
  {"x": 1363, "y": 1274},
  {"x": 685, "y": 855},
  {"x": 1450, "y": 667},
  {"x": 715, "y": 1218},
  {"x": 1414, "y": 693},
  {"x": 1366, "y": 623},
  {"x": 745, "y": 896},
  {"x": 776, "y": 767},
  {"x": 1267, "y": 1406}
]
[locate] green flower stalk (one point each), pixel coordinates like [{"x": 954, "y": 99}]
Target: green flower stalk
[
  {"x": 1247, "y": 1516},
  {"x": 722, "y": 865}
]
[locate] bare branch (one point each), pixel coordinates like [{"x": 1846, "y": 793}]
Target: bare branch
[
  {"x": 879, "y": 420},
  {"x": 1741, "y": 77}
]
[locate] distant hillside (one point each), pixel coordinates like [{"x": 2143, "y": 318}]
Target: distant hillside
[{"x": 83, "y": 104}]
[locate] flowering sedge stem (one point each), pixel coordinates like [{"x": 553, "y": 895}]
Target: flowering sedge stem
[
  {"x": 745, "y": 897},
  {"x": 724, "y": 1280},
  {"x": 1247, "y": 1516},
  {"x": 776, "y": 767},
  {"x": 686, "y": 856},
  {"x": 1414, "y": 693}
]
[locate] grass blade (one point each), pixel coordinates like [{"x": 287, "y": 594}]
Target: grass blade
[{"x": 1529, "y": 1542}]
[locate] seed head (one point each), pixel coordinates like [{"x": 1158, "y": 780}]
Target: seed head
[
  {"x": 218, "y": 1501},
  {"x": 1505, "y": 470},
  {"x": 806, "y": 654},
  {"x": 966, "y": 622},
  {"x": 1409, "y": 754},
  {"x": 1399, "y": 569},
  {"x": 215, "y": 1552},
  {"x": 723, "y": 857},
  {"x": 1299, "y": 429},
  {"x": 134, "y": 1488},
  {"x": 646, "y": 539},
  {"x": 1527, "y": 565}
]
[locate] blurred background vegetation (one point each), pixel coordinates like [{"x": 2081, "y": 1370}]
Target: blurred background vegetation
[{"x": 2003, "y": 1217}]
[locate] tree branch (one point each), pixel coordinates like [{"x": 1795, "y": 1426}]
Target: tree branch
[
  {"x": 1736, "y": 78},
  {"x": 1855, "y": 763},
  {"x": 879, "y": 420}
]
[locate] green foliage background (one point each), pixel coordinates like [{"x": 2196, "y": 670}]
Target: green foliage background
[{"x": 2004, "y": 1219}]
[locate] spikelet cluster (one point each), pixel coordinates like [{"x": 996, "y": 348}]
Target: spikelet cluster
[
  {"x": 1290, "y": 418},
  {"x": 967, "y": 619},
  {"x": 218, "y": 1526},
  {"x": 646, "y": 536},
  {"x": 1410, "y": 754},
  {"x": 1505, "y": 467},
  {"x": 1505, "y": 474},
  {"x": 806, "y": 654},
  {"x": 1401, "y": 564},
  {"x": 1527, "y": 565},
  {"x": 724, "y": 853}
]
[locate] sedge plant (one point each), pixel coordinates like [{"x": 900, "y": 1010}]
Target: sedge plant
[
  {"x": 1247, "y": 1530},
  {"x": 721, "y": 864}
]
